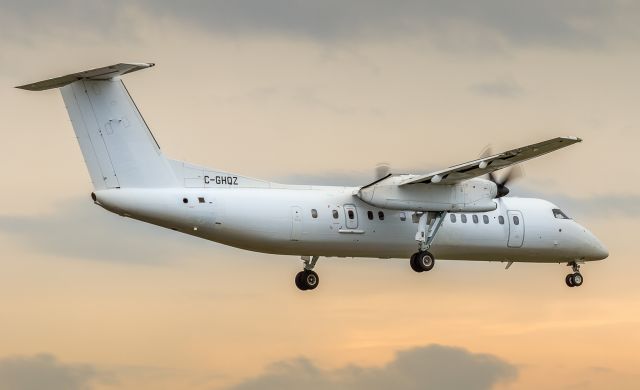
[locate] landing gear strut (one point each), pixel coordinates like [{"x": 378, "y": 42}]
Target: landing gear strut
[
  {"x": 307, "y": 279},
  {"x": 423, "y": 260},
  {"x": 575, "y": 279}
]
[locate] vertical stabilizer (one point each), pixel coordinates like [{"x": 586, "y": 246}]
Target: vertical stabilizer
[{"x": 118, "y": 147}]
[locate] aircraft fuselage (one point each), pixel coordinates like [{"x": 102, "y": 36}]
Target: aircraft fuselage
[{"x": 331, "y": 221}]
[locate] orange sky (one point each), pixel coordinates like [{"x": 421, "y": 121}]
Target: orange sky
[{"x": 114, "y": 303}]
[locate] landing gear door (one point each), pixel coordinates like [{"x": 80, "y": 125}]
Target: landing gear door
[
  {"x": 351, "y": 216},
  {"x": 516, "y": 229}
]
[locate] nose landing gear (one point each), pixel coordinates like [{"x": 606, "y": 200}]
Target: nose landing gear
[
  {"x": 307, "y": 279},
  {"x": 575, "y": 279}
]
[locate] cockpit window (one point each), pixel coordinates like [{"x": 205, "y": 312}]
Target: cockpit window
[{"x": 559, "y": 214}]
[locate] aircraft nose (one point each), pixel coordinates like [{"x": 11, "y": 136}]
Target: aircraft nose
[
  {"x": 597, "y": 250},
  {"x": 600, "y": 251}
]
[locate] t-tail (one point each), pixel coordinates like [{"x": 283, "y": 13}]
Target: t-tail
[{"x": 118, "y": 147}]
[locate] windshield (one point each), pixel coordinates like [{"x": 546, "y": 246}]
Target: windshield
[{"x": 559, "y": 214}]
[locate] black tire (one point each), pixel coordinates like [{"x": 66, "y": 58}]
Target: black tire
[
  {"x": 299, "y": 282},
  {"x": 310, "y": 279},
  {"x": 425, "y": 261},
  {"x": 413, "y": 261},
  {"x": 569, "y": 280},
  {"x": 577, "y": 279}
]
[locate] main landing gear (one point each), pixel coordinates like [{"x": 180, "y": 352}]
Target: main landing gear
[
  {"x": 307, "y": 279},
  {"x": 423, "y": 260},
  {"x": 575, "y": 279}
]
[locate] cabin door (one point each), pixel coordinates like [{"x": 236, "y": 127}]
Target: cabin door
[
  {"x": 351, "y": 216},
  {"x": 516, "y": 229}
]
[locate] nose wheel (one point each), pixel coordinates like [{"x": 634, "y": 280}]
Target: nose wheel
[
  {"x": 308, "y": 279},
  {"x": 575, "y": 279}
]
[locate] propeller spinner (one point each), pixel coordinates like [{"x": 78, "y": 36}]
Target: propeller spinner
[{"x": 512, "y": 174}]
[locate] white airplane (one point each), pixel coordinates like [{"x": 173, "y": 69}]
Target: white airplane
[{"x": 447, "y": 214}]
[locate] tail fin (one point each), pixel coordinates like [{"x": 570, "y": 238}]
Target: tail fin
[{"x": 118, "y": 147}]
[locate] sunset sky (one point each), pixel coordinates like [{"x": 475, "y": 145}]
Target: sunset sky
[{"x": 319, "y": 92}]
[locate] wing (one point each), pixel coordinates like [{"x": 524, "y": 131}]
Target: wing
[{"x": 489, "y": 164}]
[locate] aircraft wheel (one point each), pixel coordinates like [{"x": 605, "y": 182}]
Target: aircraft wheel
[
  {"x": 307, "y": 280},
  {"x": 577, "y": 279},
  {"x": 425, "y": 261},
  {"x": 414, "y": 263},
  {"x": 299, "y": 283},
  {"x": 569, "y": 280}
]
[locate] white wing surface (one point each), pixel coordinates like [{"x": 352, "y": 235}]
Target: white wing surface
[{"x": 475, "y": 168}]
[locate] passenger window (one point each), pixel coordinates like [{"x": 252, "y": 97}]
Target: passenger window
[
  {"x": 501, "y": 220},
  {"x": 370, "y": 215},
  {"x": 403, "y": 216},
  {"x": 516, "y": 220},
  {"x": 463, "y": 218},
  {"x": 485, "y": 219},
  {"x": 350, "y": 214},
  {"x": 475, "y": 218},
  {"x": 453, "y": 218},
  {"x": 335, "y": 214},
  {"x": 314, "y": 213},
  {"x": 381, "y": 215},
  {"x": 200, "y": 199},
  {"x": 559, "y": 214}
]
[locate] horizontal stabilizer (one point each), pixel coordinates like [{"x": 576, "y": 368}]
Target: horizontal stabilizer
[{"x": 104, "y": 73}]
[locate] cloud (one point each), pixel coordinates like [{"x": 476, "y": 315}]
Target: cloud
[
  {"x": 44, "y": 371},
  {"x": 602, "y": 205},
  {"x": 72, "y": 20},
  {"x": 431, "y": 367},
  {"x": 506, "y": 88},
  {"x": 596, "y": 205},
  {"x": 446, "y": 23},
  {"x": 546, "y": 22},
  {"x": 79, "y": 229}
]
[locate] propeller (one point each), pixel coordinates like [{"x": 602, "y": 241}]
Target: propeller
[
  {"x": 513, "y": 173},
  {"x": 382, "y": 170}
]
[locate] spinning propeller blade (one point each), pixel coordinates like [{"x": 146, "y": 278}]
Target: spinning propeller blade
[
  {"x": 382, "y": 170},
  {"x": 515, "y": 172}
]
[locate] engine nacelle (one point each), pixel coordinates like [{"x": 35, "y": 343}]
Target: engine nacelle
[{"x": 474, "y": 195}]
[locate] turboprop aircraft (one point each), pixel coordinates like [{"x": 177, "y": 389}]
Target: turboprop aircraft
[{"x": 452, "y": 213}]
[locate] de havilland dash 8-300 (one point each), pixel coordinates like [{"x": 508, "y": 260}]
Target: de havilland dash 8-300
[{"x": 452, "y": 213}]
